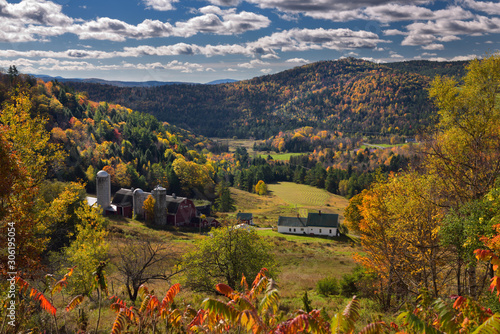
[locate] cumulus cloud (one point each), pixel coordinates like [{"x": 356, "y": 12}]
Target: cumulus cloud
[
  {"x": 263, "y": 48},
  {"x": 35, "y": 12},
  {"x": 298, "y": 61},
  {"x": 214, "y": 20},
  {"x": 433, "y": 46},
  {"x": 253, "y": 63},
  {"x": 54, "y": 65},
  {"x": 160, "y": 5},
  {"x": 397, "y": 12},
  {"x": 316, "y": 39},
  {"x": 456, "y": 58},
  {"x": 339, "y": 10},
  {"x": 449, "y": 29},
  {"x": 492, "y": 8},
  {"x": 32, "y": 20},
  {"x": 232, "y": 3},
  {"x": 222, "y": 22}
]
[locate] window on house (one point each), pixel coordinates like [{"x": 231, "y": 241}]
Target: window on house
[
  {"x": 319, "y": 230},
  {"x": 330, "y": 231},
  {"x": 302, "y": 229},
  {"x": 289, "y": 230},
  {"x": 294, "y": 230}
]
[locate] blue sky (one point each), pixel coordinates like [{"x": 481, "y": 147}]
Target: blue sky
[{"x": 205, "y": 40}]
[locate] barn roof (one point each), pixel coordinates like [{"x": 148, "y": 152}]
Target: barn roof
[
  {"x": 173, "y": 203},
  {"x": 123, "y": 197},
  {"x": 323, "y": 219},
  {"x": 292, "y": 221}
]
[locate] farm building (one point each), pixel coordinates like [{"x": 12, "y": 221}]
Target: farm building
[
  {"x": 315, "y": 224},
  {"x": 295, "y": 225},
  {"x": 245, "y": 218},
  {"x": 123, "y": 202},
  {"x": 169, "y": 209},
  {"x": 180, "y": 210}
]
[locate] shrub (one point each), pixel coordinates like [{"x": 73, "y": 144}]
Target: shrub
[{"x": 328, "y": 286}]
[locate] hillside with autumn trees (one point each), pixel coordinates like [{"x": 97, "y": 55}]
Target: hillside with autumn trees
[
  {"x": 426, "y": 219},
  {"x": 348, "y": 95}
]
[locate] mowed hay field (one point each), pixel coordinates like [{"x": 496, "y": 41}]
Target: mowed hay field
[{"x": 307, "y": 197}]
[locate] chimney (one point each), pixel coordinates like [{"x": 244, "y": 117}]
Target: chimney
[
  {"x": 174, "y": 195},
  {"x": 319, "y": 212}
]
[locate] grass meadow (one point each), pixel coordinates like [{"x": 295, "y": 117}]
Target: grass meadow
[{"x": 303, "y": 260}]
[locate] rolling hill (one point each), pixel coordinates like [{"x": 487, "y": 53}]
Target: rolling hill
[{"x": 348, "y": 95}]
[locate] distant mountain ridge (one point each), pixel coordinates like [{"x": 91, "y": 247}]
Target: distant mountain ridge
[
  {"x": 118, "y": 83},
  {"x": 348, "y": 95}
]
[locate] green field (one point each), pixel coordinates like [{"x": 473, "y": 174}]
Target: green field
[
  {"x": 281, "y": 156},
  {"x": 300, "y": 194}
]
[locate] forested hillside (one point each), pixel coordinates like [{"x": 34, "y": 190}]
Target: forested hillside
[
  {"x": 134, "y": 148},
  {"x": 347, "y": 95}
]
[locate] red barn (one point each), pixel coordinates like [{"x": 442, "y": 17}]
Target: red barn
[
  {"x": 180, "y": 210},
  {"x": 122, "y": 203}
]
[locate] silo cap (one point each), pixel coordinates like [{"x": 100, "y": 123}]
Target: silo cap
[{"x": 102, "y": 173}]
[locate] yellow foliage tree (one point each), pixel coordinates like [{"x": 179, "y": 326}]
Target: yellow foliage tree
[
  {"x": 25, "y": 143},
  {"x": 261, "y": 188},
  {"x": 149, "y": 208}
]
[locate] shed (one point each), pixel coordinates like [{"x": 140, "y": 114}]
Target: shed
[{"x": 246, "y": 218}]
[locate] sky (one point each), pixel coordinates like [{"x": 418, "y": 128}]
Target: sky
[{"x": 204, "y": 40}]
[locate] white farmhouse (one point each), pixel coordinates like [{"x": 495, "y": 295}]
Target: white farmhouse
[{"x": 316, "y": 224}]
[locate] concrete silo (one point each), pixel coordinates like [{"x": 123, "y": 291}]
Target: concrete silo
[{"x": 103, "y": 181}]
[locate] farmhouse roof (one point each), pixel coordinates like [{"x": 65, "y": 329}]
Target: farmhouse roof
[
  {"x": 244, "y": 216},
  {"x": 323, "y": 219},
  {"x": 123, "y": 197},
  {"x": 292, "y": 221}
]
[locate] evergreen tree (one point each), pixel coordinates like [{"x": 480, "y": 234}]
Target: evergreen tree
[{"x": 224, "y": 202}]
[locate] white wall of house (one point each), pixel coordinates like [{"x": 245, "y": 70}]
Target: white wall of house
[
  {"x": 292, "y": 230},
  {"x": 330, "y": 231}
]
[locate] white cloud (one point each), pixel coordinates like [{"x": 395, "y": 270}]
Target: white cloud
[
  {"x": 456, "y": 58},
  {"x": 233, "y": 3},
  {"x": 492, "y": 8},
  {"x": 345, "y": 10},
  {"x": 396, "y": 12},
  {"x": 395, "y": 55},
  {"x": 298, "y": 61},
  {"x": 35, "y": 12},
  {"x": 264, "y": 48},
  {"x": 445, "y": 30},
  {"x": 160, "y": 5},
  {"x": 317, "y": 39},
  {"x": 53, "y": 65},
  {"x": 433, "y": 46},
  {"x": 253, "y": 63},
  {"x": 32, "y": 20}
]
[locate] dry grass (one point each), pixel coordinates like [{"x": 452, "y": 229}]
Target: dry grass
[{"x": 303, "y": 260}]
